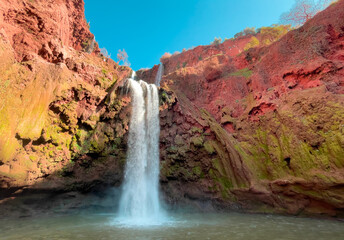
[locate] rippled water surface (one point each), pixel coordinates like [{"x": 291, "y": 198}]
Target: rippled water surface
[{"x": 179, "y": 226}]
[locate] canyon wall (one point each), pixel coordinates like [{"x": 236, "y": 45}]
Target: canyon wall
[
  {"x": 62, "y": 124},
  {"x": 261, "y": 128},
  {"x": 256, "y": 129}
]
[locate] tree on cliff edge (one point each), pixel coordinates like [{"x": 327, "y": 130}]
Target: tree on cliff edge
[
  {"x": 123, "y": 56},
  {"x": 303, "y": 10}
]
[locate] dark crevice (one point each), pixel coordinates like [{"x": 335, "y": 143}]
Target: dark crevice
[
  {"x": 102, "y": 104},
  {"x": 7, "y": 192},
  {"x": 316, "y": 145},
  {"x": 287, "y": 160},
  {"x": 39, "y": 141},
  {"x": 67, "y": 173},
  {"x": 25, "y": 141},
  {"x": 292, "y": 86},
  {"x": 55, "y": 109},
  {"x": 84, "y": 126},
  {"x": 93, "y": 155}
]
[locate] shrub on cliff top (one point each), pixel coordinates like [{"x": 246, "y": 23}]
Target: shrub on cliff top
[
  {"x": 175, "y": 53},
  {"x": 250, "y": 31},
  {"x": 105, "y": 53},
  {"x": 166, "y": 55},
  {"x": 246, "y": 32},
  {"x": 268, "y": 35},
  {"x": 254, "y": 42},
  {"x": 88, "y": 45},
  {"x": 216, "y": 41},
  {"x": 273, "y": 33}
]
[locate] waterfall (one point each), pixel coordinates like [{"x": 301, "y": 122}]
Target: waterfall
[
  {"x": 139, "y": 203},
  {"x": 133, "y": 75},
  {"x": 159, "y": 74}
]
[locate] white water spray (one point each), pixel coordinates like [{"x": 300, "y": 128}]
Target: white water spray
[
  {"x": 159, "y": 74},
  {"x": 139, "y": 204}
]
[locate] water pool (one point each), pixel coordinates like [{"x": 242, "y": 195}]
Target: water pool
[{"x": 220, "y": 226}]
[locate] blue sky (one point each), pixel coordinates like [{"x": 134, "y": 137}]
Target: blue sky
[{"x": 148, "y": 29}]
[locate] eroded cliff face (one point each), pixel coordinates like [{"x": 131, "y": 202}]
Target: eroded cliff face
[
  {"x": 261, "y": 129},
  {"x": 62, "y": 124}
]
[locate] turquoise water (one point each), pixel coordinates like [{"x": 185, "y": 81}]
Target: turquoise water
[{"x": 231, "y": 226}]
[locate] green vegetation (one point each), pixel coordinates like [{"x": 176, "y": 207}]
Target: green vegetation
[
  {"x": 196, "y": 130},
  {"x": 88, "y": 45},
  {"x": 272, "y": 34},
  {"x": 245, "y": 72},
  {"x": 246, "y": 32},
  {"x": 278, "y": 154},
  {"x": 197, "y": 141},
  {"x": 40, "y": 119},
  {"x": 208, "y": 146},
  {"x": 216, "y": 41},
  {"x": 219, "y": 176},
  {"x": 198, "y": 171},
  {"x": 254, "y": 42},
  {"x": 264, "y": 36}
]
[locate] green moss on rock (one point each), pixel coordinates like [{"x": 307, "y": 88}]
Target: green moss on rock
[
  {"x": 198, "y": 171},
  {"x": 208, "y": 146},
  {"x": 245, "y": 72},
  {"x": 197, "y": 141},
  {"x": 179, "y": 141}
]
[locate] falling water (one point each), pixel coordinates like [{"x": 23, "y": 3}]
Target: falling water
[
  {"x": 159, "y": 74},
  {"x": 133, "y": 75},
  {"x": 139, "y": 204}
]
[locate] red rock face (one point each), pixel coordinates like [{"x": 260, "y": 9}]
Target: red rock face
[
  {"x": 60, "y": 107},
  {"x": 45, "y": 28},
  {"x": 308, "y": 57},
  {"x": 276, "y": 111}
]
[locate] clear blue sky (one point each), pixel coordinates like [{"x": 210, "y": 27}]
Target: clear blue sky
[{"x": 148, "y": 29}]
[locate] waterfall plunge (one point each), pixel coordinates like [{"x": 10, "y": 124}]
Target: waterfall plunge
[{"x": 139, "y": 204}]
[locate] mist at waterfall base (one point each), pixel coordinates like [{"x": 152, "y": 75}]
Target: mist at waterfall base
[{"x": 139, "y": 204}]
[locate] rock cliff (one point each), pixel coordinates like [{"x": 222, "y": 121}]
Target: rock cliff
[
  {"x": 62, "y": 124},
  {"x": 258, "y": 128}
]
